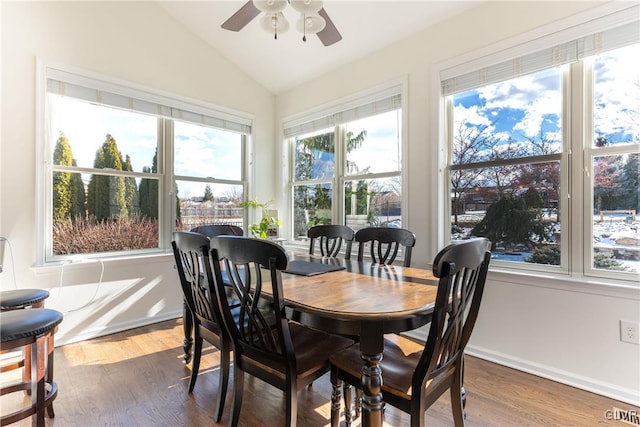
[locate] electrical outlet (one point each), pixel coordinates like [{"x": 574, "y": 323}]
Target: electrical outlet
[{"x": 629, "y": 332}]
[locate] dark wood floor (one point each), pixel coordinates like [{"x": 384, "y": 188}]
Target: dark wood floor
[{"x": 138, "y": 378}]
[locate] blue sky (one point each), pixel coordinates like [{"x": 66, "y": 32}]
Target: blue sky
[
  {"x": 526, "y": 106},
  {"x": 199, "y": 151}
]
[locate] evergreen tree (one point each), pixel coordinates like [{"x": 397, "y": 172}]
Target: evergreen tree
[
  {"x": 130, "y": 189},
  {"x": 79, "y": 197},
  {"x": 348, "y": 191},
  {"x": 178, "y": 211},
  {"x": 509, "y": 220},
  {"x": 106, "y": 194},
  {"x": 62, "y": 185},
  {"x": 362, "y": 197},
  {"x": 532, "y": 198},
  {"x": 148, "y": 191},
  {"x": 208, "y": 194},
  {"x": 545, "y": 254},
  {"x": 630, "y": 183}
]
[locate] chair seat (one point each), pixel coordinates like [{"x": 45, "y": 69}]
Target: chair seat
[
  {"x": 19, "y": 298},
  {"x": 19, "y": 324},
  {"x": 312, "y": 350},
  {"x": 401, "y": 355}
]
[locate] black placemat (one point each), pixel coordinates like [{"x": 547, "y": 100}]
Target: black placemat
[{"x": 308, "y": 268}]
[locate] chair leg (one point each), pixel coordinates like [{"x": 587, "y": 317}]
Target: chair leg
[
  {"x": 197, "y": 353},
  {"x": 238, "y": 386},
  {"x": 335, "y": 398},
  {"x": 291, "y": 405},
  {"x": 358, "y": 402},
  {"x": 187, "y": 325},
  {"x": 223, "y": 382},
  {"x": 456, "y": 399},
  {"x": 346, "y": 388}
]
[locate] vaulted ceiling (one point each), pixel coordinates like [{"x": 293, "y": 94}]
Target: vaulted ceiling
[{"x": 279, "y": 65}]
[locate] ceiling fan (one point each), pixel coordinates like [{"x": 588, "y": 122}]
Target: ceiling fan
[{"x": 313, "y": 18}]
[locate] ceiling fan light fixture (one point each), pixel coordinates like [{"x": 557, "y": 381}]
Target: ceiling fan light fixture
[
  {"x": 270, "y": 6},
  {"x": 307, "y": 6},
  {"x": 310, "y": 23},
  {"x": 274, "y": 23}
]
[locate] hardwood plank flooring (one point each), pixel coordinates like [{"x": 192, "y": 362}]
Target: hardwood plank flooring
[{"x": 138, "y": 378}]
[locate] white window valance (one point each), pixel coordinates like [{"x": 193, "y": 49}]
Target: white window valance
[
  {"x": 621, "y": 29},
  {"x": 371, "y": 105},
  {"x": 103, "y": 93}
]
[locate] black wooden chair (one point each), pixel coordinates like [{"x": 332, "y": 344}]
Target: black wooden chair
[
  {"x": 415, "y": 375},
  {"x": 266, "y": 344},
  {"x": 384, "y": 243},
  {"x": 213, "y": 230},
  {"x": 201, "y": 302},
  {"x": 330, "y": 239}
]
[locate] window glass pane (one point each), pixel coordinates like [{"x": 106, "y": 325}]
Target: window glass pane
[
  {"x": 516, "y": 118},
  {"x": 94, "y": 212},
  {"x": 617, "y": 97},
  {"x": 201, "y": 203},
  {"x": 373, "y": 202},
  {"x": 201, "y": 151},
  {"x": 515, "y": 207},
  {"x": 373, "y": 144},
  {"x": 112, "y": 215},
  {"x": 315, "y": 156},
  {"x": 311, "y": 206},
  {"x": 616, "y": 242},
  {"x": 512, "y": 201},
  {"x": 89, "y": 129}
]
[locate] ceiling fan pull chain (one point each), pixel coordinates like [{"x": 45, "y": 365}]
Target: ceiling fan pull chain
[
  {"x": 304, "y": 34},
  {"x": 275, "y": 27}
]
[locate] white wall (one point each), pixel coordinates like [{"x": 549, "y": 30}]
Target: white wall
[
  {"x": 560, "y": 331},
  {"x": 132, "y": 41}
]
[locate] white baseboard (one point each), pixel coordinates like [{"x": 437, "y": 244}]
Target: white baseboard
[
  {"x": 62, "y": 339},
  {"x": 612, "y": 391}
]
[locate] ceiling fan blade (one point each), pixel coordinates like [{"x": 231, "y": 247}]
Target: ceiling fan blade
[
  {"x": 242, "y": 17},
  {"x": 329, "y": 35}
]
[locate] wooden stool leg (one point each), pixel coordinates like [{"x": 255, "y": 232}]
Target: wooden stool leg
[
  {"x": 26, "y": 354},
  {"x": 38, "y": 386},
  {"x": 26, "y": 371},
  {"x": 50, "y": 348}
]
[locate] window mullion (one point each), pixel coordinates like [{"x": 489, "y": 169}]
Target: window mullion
[{"x": 340, "y": 148}]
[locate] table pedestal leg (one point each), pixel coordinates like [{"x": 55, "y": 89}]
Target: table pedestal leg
[
  {"x": 372, "y": 390},
  {"x": 187, "y": 324}
]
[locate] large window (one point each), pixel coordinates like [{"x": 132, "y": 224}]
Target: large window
[
  {"x": 544, "y": 155},
  {"x": 346, "y": 167},
  {"x": 123, "y": 169}
]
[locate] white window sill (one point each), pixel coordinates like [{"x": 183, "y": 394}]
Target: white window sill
[{"x": 583, "y": 284}]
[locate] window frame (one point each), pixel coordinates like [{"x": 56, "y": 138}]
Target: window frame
[
  {"x": 396, "y": 87},
  {"x": 212, "y": 116},
  {"x": 575, "y": 160}
]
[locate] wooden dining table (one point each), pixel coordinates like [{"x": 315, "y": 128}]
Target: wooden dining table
[
  {"x": 365, "y": 300},
  {"x": 361, "y": 299}
]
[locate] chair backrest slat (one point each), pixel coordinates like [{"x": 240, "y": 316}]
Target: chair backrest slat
[
  {"x": 330, "y": 238},
  {"x": 187, "y": 249},
  {"x": 384, "y": 244},
  {"x": 258, "y": 326}
]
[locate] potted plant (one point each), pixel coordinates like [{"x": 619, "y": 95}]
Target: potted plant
[{"x": 268, "y": 222}]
